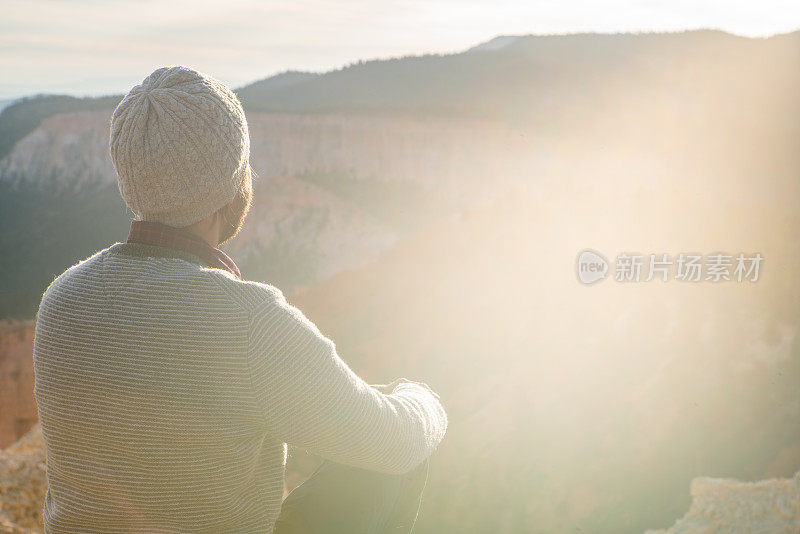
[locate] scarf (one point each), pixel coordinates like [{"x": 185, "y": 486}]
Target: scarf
[{"x": 155, "y": 233}]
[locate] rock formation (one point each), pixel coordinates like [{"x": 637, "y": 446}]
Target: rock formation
[
  {"x": 23, "y": 483},
  {"x": 727, "y": 506},
  {"x": 455, "y": 156},
  {"x": 18, "y": 413}
]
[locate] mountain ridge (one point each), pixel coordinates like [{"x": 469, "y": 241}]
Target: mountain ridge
[{"x": 357, "y": 87}]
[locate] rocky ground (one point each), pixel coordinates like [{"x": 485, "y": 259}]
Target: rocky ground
[
  {"x": 23, "y": 484},
  {"x": 719, "y": 505}
]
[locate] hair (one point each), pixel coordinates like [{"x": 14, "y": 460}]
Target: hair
[{"x": 234, "y": 212}]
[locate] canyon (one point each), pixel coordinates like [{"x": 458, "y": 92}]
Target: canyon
[{"x": 440, "y": 246}]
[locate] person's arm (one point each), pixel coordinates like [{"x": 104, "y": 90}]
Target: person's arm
[{"x": 311, "y": 399}]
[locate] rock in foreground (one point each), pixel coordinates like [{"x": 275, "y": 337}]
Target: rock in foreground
[
  {"x": 23, "y": 484},
  {"x": 719, "y": 505},
  {"x": 722, "y": 505}
]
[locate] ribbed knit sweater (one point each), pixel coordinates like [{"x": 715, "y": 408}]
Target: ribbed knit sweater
[{"x": 168, "y": 390}]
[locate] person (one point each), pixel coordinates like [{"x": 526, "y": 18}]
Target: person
[{"x": 168, "y": 387}]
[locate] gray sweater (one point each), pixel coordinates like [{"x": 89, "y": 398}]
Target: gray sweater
[{"x": 168, "y": 390}]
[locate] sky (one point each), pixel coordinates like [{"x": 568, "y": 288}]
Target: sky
[{"x": 94, "y": 47}]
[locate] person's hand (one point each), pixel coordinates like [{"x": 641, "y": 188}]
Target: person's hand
[{"x": 389, "y": 388}]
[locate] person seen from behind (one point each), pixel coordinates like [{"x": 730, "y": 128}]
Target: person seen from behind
[{"x": 168, "y": 387}]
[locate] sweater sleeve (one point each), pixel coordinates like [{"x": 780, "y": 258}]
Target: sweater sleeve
[{"x": 311, "y": 399}]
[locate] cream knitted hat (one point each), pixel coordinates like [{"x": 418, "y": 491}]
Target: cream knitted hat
[{"x": 180, "y": 146}]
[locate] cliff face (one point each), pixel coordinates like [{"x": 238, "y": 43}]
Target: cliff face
[
  {"x": 19, "y": 412},
  {"x": 68, "y": 152},
  {"x": 462, "y": 160},
  {"x": 458, "y": 157}
]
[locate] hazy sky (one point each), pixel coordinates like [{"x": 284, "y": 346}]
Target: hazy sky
[{"x": 106, "y": 46}]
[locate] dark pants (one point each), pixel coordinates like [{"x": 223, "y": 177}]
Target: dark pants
[{"x": 343, "y": 499}]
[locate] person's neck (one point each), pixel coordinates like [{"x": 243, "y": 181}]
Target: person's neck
[
  {"x": 207, "y": 230},
  {"x": 205, "y": 236}
]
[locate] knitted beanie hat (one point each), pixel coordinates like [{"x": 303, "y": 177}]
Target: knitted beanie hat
[{"x": 180, "y": 146}]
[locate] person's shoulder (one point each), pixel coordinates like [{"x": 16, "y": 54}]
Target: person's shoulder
[
  {"x": 73, "y": 275},
  {"x": 249, "y": 294},
  {"x": 265, "y": 303},
  {"x": 77, "y": 268}
]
